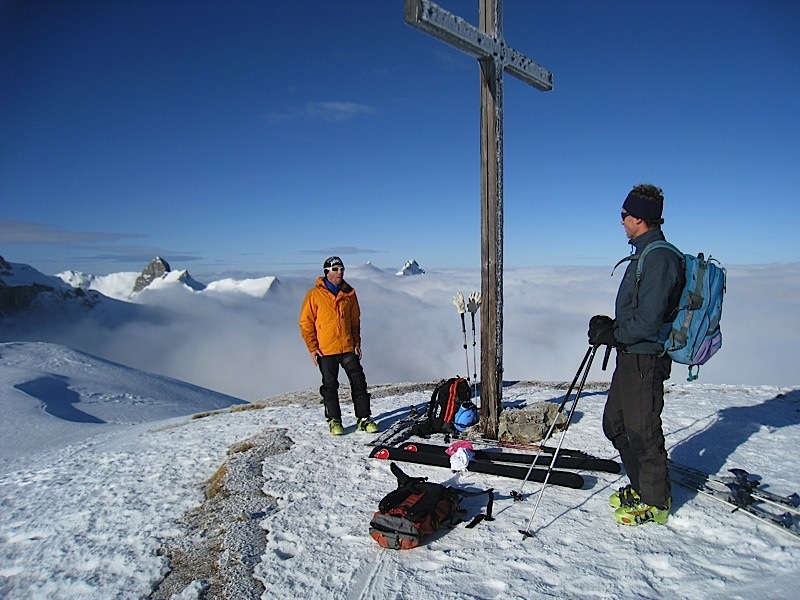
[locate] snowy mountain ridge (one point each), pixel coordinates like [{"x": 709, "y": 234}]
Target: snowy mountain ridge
[{"x": 411, "y": 268}]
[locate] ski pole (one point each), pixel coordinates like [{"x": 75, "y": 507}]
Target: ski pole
[
  {"x": 526, "y": 533},
  {"x": 466, "y": 354},
  {"x": 473, "y": 305},
  {"x": 517, "y": 495},
  {"x": 458, "y": 300},
  {"x": 474, "y": 361},
  {"x": 606, "y": 357}
]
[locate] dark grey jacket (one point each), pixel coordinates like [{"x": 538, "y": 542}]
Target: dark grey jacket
[{"x": 637, "y": 328}]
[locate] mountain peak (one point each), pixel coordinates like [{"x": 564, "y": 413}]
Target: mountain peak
[
  {"x": 411, "y": 268},
  {"x": 22, "y": 287},
  {"x": 156, "y": 269}
]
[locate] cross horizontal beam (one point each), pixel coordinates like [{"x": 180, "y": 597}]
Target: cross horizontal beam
[{"x": 454, "y": 30}]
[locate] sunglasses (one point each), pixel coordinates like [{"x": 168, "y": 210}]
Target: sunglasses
[
  {"x": 336, "y": 269},
  {"x": 624, "y": 214}
]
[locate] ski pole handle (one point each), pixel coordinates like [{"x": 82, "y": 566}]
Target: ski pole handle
[
  {"x": 474, "y": 302},
  {"x": 606, "y": 357},
  {"x": 458, "y": 301}
]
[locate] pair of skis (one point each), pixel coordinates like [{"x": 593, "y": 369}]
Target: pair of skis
[
  {"x": 392, "y": 443},
  {"x": 398, "y": 431},
  {"x": 743, "y": 492},
  {"x": 504, "y": 463},
  {"x": 567, "y": 459}
]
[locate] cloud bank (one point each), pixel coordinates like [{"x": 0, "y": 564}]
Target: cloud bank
[{"x": 242, "y": 338}]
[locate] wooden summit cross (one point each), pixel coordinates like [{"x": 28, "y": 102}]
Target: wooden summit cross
[{"x": 494, "y": 57}]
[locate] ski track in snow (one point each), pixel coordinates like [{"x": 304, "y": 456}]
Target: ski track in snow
[{"x": 86, "y": 522}]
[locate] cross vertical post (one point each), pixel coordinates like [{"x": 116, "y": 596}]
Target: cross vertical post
[
  {"x": 494, "y": 58},
  {"x": 491, "y": 132}
]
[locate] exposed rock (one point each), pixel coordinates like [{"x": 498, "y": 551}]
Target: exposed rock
[
  {"x": 5, "y": 268},
  {"x": 22, "y": 286},
  {"x": 157, "y": 268},
  {"x": 529, "y": 424},
  {"x": 224, "y": 540}
]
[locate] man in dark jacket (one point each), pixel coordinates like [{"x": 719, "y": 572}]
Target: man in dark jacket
[{"x": 632, "y": 417}]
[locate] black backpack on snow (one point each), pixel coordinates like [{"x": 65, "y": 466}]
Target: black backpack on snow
[
  {"x": 447, "y": 398},
  {"x": 418, "y": 508}
]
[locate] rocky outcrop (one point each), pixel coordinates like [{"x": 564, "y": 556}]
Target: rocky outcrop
[
  {"x": 5, "y": 268},
  {"x": 529, "y": 424},
  {"x": 21, "y": 287},
  {"x": 157, "y": 268},
  {"x": 20, "y": 297},
  {"x": 224, "y": 540}
]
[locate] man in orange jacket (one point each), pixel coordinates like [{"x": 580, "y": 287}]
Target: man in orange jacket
[{"x": 330, "y": 322}]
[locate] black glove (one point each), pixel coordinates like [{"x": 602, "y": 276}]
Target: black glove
[{"x": 601, "y": 331}]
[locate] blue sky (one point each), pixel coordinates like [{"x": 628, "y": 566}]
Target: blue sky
[{"x": 257, "y": 137}]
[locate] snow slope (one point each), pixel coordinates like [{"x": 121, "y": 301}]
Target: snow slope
[
  {"x": 61, "y": 396},
  {"x": 89, "y": 516}
]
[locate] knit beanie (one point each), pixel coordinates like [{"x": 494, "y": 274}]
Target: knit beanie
[
  {"x": 331, "y": 261},
  {"x": 643, "y": 208}
]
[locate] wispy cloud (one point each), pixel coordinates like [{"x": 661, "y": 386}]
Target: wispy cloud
[
  {"x": 25, "y": 232},
  {"x": 342, "y": 250},
  {"x": 137, "y": 255},
  {"x": 332, "y": 112}
]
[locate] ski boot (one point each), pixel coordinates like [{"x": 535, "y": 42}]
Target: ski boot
[
  {"x": 366, "y": 424},
  {"x": 638, "y": 513},
  {"x": 624, "y": 496}
]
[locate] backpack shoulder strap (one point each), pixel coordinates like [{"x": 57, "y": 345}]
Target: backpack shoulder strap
[
  {"x": 653, "y": 246},
  {"x": 452, "y": 401},
  {"x": 489, "y": 504},
  {"x": 435, "y": 396},
  {"x": 404, "y": 480},
  {"x": 647, "y": 249},
  {"x": 639, "y": 258},
  {"x": 622, "y": 260}
]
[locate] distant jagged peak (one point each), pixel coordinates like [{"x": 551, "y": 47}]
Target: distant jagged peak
[
  {"x": 411, "y": 268},
  {"x": 19, "y": 274},
  {"x": 156, "y": 269},
  {"x": 172, "y": 280},
  {"x": 188, "y": 280},
  {"x": 76, "y": 279}
]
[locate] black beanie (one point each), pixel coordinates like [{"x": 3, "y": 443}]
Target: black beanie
[
  {"x": 332, "y": 261},
  {"x": 643, "y": 208}
]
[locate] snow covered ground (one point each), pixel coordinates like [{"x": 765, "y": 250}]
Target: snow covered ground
[{"x": 99, "y": 470}]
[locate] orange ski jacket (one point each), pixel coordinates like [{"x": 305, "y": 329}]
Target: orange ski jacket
[{"x": 328, "y": 323}]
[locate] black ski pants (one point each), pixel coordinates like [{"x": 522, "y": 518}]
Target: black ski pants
[
  {"x": 632, "y": 421},
  {"x": 329, "y": 367}
]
